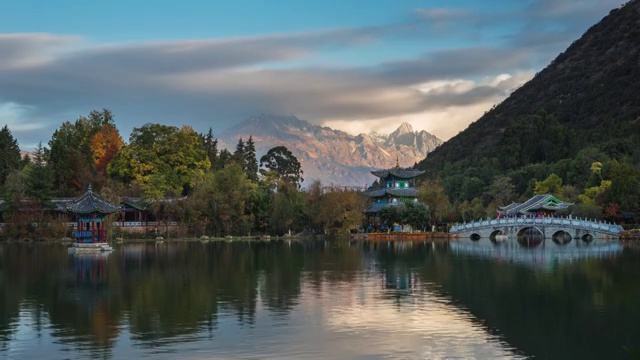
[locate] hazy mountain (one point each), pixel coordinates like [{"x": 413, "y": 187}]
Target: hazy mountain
[
  {"x": 333, "y": 156},
  {"x": 589, "y": 96}
]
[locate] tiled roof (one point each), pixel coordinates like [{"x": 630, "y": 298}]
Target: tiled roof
[
  {"x": 538, "y": 202},
  {"x": 377, "y": 192},
  {"x": 90, "y": 203},
  {"x": 393, "y": 192},
  {"x": 136, "y": 203},
  {"x": 403, "y": 192},
  {"x": 397, "y": 172}
]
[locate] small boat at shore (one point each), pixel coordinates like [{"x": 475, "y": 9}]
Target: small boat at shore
[{"x": 90, "y": 248}]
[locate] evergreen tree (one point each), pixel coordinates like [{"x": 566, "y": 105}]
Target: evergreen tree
[
  {"x": 250, "y": 160},
  {"x": 210, "y": 145},
  {"x": 238, "y": 155},
  {"x": 40, "y": 177},
  {"x": 224, "y": 159},
  {"x": 9, "y": 154}
]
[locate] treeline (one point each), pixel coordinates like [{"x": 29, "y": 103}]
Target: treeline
[{"x": 182, "y": 174}]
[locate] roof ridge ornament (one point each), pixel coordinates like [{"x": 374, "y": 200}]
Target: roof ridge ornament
[
  {"x": 397, "y": 162},
  {"x": 89, "y": 189}
]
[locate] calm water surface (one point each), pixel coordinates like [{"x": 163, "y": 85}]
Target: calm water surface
[{"x": 317, "y": 299}]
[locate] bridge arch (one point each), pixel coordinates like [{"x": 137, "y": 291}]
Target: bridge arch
[
  {"x": 498, "y": 236},
  {"x": 587, "y": 238},
  {"x": 529, "y": 237},
  {"x": 561, "y": 237},
  {"x": 474, "y": 237}
]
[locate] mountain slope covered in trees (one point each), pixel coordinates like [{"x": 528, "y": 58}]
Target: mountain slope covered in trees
[{"x": 584, "y": 107}]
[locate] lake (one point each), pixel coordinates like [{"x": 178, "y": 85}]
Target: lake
[{"x": 333, "y": 299}]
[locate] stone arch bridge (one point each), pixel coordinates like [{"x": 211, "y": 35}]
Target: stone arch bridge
[{"x": 535, "y": 230}]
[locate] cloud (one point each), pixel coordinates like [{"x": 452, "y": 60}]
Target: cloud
[
  {"x": 448, "y": 107},
  {"x": 49, "y": 78}
]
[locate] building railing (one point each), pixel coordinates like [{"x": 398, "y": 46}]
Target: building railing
[
  {"x": 143, "y": 223},
  {"x": 574, "y": 223}
]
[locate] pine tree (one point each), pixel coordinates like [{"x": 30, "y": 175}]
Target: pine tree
[
  {"x": 238, "y": 155},
  {"x": 210, "y": 145},
  {"x": 40, "y": 177},
  {"x": 250, "y": 160},
  {"x": 9, "y": 154}
]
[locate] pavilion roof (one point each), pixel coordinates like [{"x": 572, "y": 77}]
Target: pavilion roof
[
  {"x": 393, "y": 192},
  {"x": 538, "y": 202},
  {"x": 397, "y": 172},
  {"x": 90, "y": 202}
]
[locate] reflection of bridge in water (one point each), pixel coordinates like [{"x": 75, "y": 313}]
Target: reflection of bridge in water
[
  {"x": 544, "y": 256},
  {"x": 533, "y": 231}
]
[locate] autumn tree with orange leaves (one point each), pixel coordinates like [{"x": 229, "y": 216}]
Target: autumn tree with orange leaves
[{"x": 105, "y": 144}]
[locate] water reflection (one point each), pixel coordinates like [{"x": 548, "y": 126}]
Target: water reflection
[
  {"x": 542, "y": 257},
  {"x": 325, "y": 299}
]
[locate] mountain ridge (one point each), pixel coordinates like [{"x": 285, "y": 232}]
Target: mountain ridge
[{"x": 329, "y": 155}]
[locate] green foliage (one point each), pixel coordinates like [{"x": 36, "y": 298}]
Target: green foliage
[
  {"x": 39, "y": 179},
  {"x": 340, "y": 210},
  {"x": 501, "y": 190},
  {"x": 9, "y": 154},
  {"x": 230, "y": 201},
  {"x": 390, "y": 215},
  {"x": 210, "y": 146},
  {"x": 432, "y": 194},
  {"x": 416, "y": 215},
  {"x": 71, "y": 156},
  {"x": 162, "y": 160},
  {"x": 286, "y": 209},
  {"x": 551, "y": 185},
  {"x": 281, "y": 164}
]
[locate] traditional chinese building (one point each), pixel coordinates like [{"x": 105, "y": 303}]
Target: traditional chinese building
[
  {"x": 537, "y": 206},
  {"x": 397, "y": 186},
  {"x": 89, "y": 211}
]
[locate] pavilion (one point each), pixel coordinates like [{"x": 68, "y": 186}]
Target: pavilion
[
  {"x": 397, "y": 188},
  {"x": 538, "y": 206}
]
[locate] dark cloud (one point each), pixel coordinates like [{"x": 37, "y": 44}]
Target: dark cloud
[{"x": 215, "y": 83}]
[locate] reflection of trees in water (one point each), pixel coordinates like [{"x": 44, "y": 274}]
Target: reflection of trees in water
[
  {"x": 583, "y": 310},
  {"x": 163, "y": 291}
]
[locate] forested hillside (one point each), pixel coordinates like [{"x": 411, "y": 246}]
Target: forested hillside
[{"x": 583, "y": 108}]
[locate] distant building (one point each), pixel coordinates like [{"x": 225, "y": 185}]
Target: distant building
[
  {"x": 397, "y": 186},
  {"x": 539, "y": 205}
]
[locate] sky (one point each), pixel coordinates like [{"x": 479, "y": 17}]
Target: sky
[{"x": 357, "y": 66}]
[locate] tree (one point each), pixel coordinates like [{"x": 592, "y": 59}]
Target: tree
[
  {"x": 416, "y": 215},
  {"x": 286, "y": 208},
  {"x": 551, "y": 185},
  {"x": 229, "y": 203},
  {"x": 477, "y": 209},
  {"x": 105, "y": 144},
  {"x": 339, "y": 210},
  {"x": 390, "y": 215},
  {"x": 238, "y": 154},
  {"x": 162, "y": 160},
  {"x": 14, "y": 191},
  {"x": 501, "y": 190},
  {"x": 280, "y": 163},
  {"x": 72, "y": 155},
  {"x": 39, "y": 178},
  {"x": 9, "y": 154},
  {"x": 432, "y": 194},
  {"x": 210, "y": 146},
  {"x": 250, "y": 160}
]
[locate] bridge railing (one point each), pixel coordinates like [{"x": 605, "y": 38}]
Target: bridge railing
[{"x": 575, "y": 223}]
